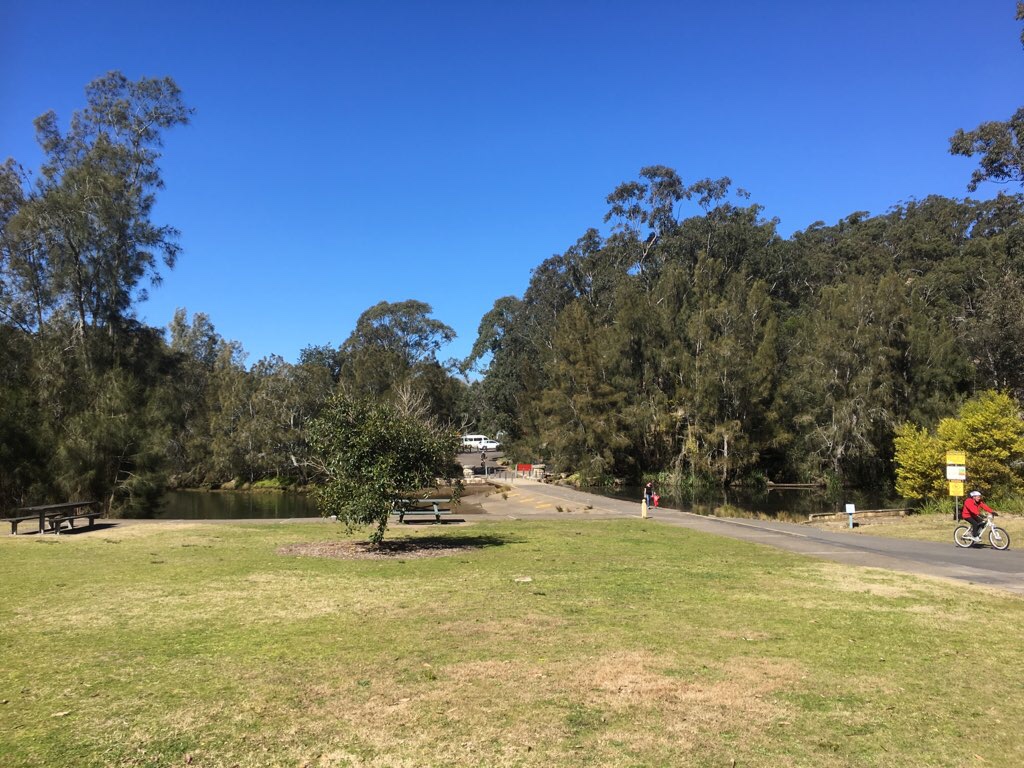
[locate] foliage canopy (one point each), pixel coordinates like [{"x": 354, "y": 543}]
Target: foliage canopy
[
  {"x": 374, "y": 453},
  {"x": 988, "y": 428}
]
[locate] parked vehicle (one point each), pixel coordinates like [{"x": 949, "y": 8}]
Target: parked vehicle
[
  {"x": 473, "y": 442},
  {"x": 490, "y": 445}
]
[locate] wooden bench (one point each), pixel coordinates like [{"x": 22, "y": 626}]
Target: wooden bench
[
  {"x": 435, "y": 507},
  {"x": 55, "y": 515}
]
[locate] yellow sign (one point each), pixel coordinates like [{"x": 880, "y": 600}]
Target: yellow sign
[
  {"x": 956, "y": 457},
  {"x": 956, "y": 487}
]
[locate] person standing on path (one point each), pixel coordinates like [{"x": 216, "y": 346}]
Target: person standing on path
[{"x": 650, "y": 496}]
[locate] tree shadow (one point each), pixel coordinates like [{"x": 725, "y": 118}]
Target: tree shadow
[
  {"x": 400, "y": 548},
  {"x": 457, "y": 541}
]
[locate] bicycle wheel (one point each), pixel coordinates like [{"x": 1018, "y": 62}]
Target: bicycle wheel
[
  {"x": 998, "y": 538},
  {"x": 962, "y": 536}
]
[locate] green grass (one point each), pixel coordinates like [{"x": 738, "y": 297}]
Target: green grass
[{"x": 538, "y": 644}]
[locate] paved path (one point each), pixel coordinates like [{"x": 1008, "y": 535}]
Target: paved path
[{"x": 1003, "y": 570}]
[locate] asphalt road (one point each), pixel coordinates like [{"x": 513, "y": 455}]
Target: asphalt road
[{"x": 978, "y": 565}]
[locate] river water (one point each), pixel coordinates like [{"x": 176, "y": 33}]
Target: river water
[
  {"x": 788, "y": 504},
  {"x": 780, "y": 504},
  {"x": 235, "y": 505}
]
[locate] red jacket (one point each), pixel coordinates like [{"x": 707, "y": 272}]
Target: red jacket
[{"x": 974, "y": 508}]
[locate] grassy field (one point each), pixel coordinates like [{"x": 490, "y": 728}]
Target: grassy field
[{"x": 494, "y": 644}]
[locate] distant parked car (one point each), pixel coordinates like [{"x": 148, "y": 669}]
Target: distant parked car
[
  {"x": 473, "y": 442},
  {"x": 490, "y": 445}
]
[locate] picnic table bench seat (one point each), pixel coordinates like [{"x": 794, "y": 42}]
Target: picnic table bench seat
[
  {"x": 435, "y": 507},
  {"x": 52, "y": 517}
]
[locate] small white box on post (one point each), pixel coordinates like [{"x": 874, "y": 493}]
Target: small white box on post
[{"x": 851, "y": 510}]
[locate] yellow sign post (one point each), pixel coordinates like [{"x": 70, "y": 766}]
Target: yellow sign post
[{"x": 956, "y": 474}]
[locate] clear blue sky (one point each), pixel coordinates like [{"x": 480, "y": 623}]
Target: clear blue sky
[{"x": 344, "y": 153}]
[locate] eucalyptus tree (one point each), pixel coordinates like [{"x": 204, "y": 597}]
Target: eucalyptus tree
[
  {"x": 583, "y": 405},
  {"x": 231, "y": 441},
  {"x": 90, "y": 214},
  {"x": 285, "y": 399},
  {"x": 843, "y": 384},
  {"x": 391, "y": 343},
  {"x": 644, "y": 211},
  {"x": 999, "y": 145},
  {"x": 503, "y": 352},
  {"x": 195, "y": 347},
  {"x": 77, "y": 248},
  {"x": 708, "y": 345}
]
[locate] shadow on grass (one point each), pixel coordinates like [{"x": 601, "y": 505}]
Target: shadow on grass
[
  {"x": 459, "y": 541},
  {"x": 399, "y": 548}
]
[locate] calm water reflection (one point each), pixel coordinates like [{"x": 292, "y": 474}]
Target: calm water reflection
[
  {"x": 779, "y": 504},
  {"x": 234, "y": 505},
  {"x": 790, "y": 504}
]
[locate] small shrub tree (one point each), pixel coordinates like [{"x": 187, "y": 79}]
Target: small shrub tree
[
  {"x": 374, "y": 453},
  {"x": 988, "y": 428},
  {"x": 919, "y": 463}
]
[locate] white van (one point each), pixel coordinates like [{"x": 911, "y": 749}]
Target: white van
[{"x": 473, "y": 442}]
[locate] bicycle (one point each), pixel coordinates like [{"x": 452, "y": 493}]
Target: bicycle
[{"x": 997, "y": 537}]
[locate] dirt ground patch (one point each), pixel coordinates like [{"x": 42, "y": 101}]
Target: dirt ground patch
[{"x": 363, "y": 550}]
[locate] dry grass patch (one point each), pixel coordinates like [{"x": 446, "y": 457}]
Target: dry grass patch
[
  {"x": 835, "y": 577},
  {"x": 681, "y": 712},
  {"x": 529, "y": 713},
  {"x": 870, "y": 581}
]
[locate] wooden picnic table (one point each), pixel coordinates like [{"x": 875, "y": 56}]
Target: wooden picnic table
[
  {"x": 55, "y": 515},
  {"x": 435, "y": 507}
]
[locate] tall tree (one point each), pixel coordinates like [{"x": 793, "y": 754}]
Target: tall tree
[
  {"x": 77, "y": 248},
  {"x": 998, "y": 145},
  {"x": 392, "y": 343},
  {"x": 90, "y": 216}
]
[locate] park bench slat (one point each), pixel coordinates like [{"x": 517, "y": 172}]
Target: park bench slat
[
  {"x": 55, "y": 515},
  {"x": 404, "y": 507}
]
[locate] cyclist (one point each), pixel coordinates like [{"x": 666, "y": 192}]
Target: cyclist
[{"x": 973, "y": 512}]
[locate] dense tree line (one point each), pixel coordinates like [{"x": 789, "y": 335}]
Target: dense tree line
[
  {"x": 694, "y": 342},
  {"x": 707, "y": 347},
  {"x": 687, "y": 339},
  {"x": 93, "y": 403}
]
